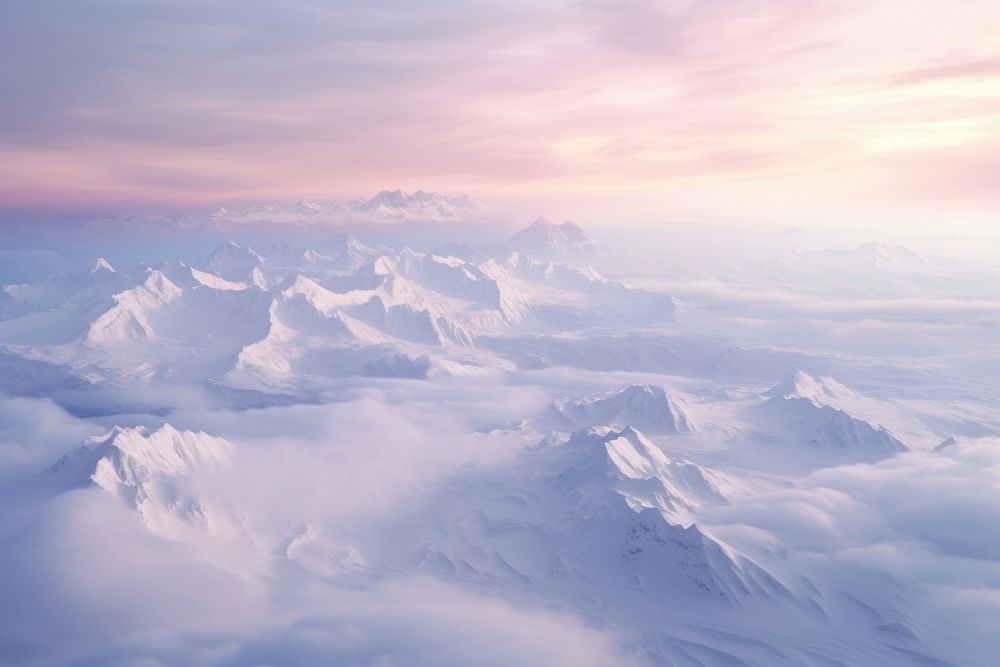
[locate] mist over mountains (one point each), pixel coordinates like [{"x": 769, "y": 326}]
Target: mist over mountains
[
  {"x": 653, "y": 333},
  {"x": 598, "y": 451}
]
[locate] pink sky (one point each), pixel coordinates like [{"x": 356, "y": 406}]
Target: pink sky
[{"x": 797, "y": 110}]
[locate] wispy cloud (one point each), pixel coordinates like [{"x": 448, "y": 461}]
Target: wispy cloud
[{"x": 185, "y": 103}]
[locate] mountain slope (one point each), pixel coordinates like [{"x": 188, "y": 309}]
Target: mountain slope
[
  {"x": 128, "y": 318},
  {"x": 646, "y": 407},
  {"x": 231, "y": 261},
  {"x": 546, "y": 238},
  {"x": 604, "y": 515},
  {"x": 138, "y": 467},
  {"x": 821, "y": 414}
]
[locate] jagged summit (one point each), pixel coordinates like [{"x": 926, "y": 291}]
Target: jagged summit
[
  {"x": 615, "y": 513},
  {"x": 393, "y": 198},
  {"x": 231, "y": 261},
  {"x": 577, "y": 278},
  {"x": 397, "y": 205},
  {"x": 401, "y": 199},
  {"x": 625, "y": 462},
  {"x": 125, "y": 461},
  {"x": 646, "y": 407},
  {"x": 352, "y": 306},
  {"x": 387, "y": 206},
  {"x": 143, "y": 469},
  {"x": 157, "y": 286},
  {"x": 830, "y": 417},
  {"x": 820, "y": 391},
  {"x": 626, "y": 451},
  {"x": 128, "y": 319}
]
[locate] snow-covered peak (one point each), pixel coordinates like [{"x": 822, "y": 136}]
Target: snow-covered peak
[
  {"x": 627, "y": 451},
  {"x": 215, "y": 282},
  {"x": 343, "y": 254},
  {"x": 387, "y": 206},
  {"x": 390, "y": 198},
  {"x": 616, "y": 511},
  {"x": 128, "y": 318},
  {"x": 152, "y": 472},
  {"x": 548, "y": 238},
  {"x": 647, "y": 407},
  {"x": 448, "y": 276},
  {"x": 127, "y": 458},
  {"x": 314, "y": 257},
  {"x": 624, "y": 462},
  {"x": 231, "y": 261},
  {"x": 302, "y": 212},
  {"x": 820, "y": 391},
  {"x": 102, "y": 265},
  {"x": 308, "y": 207},
  {"x": 257, "y": 279},
  {"x": 578, "y": 278},
  {"x": 155, "y": 290},
  {"x": 828, "y": 416},
  {"x": 397, "y": 205},
  {"x": 348, "y": 253},
  {"x": 420, "y": 199},
  {"x": 347, "y": 243},
  {"x": 282, "y": 254},
  {"x": 299, "y": 285}
]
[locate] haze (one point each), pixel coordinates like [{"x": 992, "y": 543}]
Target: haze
[{"x": 479, "y": 334}]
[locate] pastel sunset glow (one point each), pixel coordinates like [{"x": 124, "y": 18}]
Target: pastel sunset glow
[
  {"x": 806, "y": 111},
  {"x": 494, "y": 333}
]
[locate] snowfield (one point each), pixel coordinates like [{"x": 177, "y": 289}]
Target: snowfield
[{"x": 535, "y": 449}]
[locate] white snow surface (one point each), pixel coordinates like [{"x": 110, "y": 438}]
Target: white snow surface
[
  {"x": 318, "y": 449},
  {"x": 648, "y": 407}
]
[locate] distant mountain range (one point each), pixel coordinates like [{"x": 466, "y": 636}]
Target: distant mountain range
[{"x": 385, "y": 207}]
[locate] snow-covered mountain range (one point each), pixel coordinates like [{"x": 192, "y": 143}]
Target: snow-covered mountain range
[
  {"x": 273, "y": 436},
  {"x": 383, "y": 208},
  {"x": 276, "y": 317}
]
